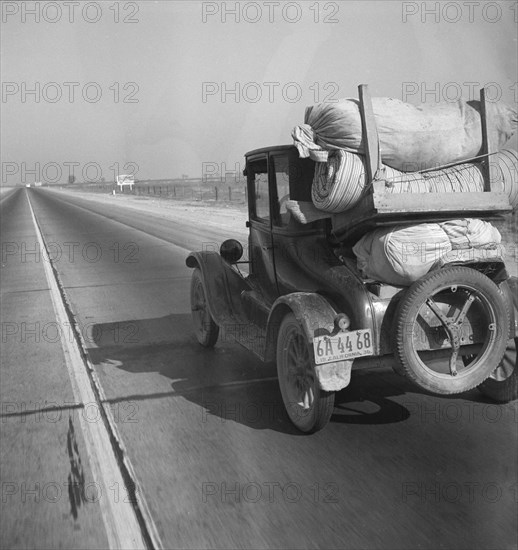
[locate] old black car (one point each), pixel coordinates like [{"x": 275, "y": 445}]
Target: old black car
[{"x": 298, "y": 299}]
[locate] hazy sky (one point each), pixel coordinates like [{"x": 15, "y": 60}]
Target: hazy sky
[{"x": 123, "y": 82}]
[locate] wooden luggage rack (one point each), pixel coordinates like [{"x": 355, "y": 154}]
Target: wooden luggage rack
[{"x": 378, "y": 208}]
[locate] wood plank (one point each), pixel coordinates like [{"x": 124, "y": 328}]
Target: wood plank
[
  {"x": 441, "y": 202},
  {"x": 487, "y": 146},
  {"x": 418, "y": 208},
  {"x": 369, "y": 133}
]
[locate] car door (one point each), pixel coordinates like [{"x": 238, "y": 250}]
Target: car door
[
  {"x": 294, "y": 244},
  {"x": 279, "y": 194},
  {"x": 260, "y": 243}
]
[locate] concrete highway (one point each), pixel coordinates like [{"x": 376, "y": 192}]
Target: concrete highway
[{"x": 139, "y": 436}]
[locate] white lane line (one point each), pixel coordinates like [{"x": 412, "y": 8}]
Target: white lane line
[{"x": 120, "y": 516}]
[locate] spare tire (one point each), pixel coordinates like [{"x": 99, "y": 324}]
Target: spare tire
[{"x": 450, "y": 314}]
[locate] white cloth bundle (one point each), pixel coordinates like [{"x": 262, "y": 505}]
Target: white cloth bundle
[
  {"x": 403, "y": 254},
  {"x": 411, "y": 138}
]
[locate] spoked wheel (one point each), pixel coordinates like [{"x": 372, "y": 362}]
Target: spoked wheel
[
  {"x": 205, "y": 328},
  {"x": 452, "y": 330},
  {"x": 308, "y": 407}
]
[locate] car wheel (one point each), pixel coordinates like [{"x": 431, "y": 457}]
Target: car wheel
[
  {"x": 446, "y": 310},
  {"x": 502, "y": 384},
  {"x": 308, "y": 407},
  {"x": 205, "y": 328}
]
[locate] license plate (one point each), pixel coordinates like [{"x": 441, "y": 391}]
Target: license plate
[{"x": 342, "y": 346}]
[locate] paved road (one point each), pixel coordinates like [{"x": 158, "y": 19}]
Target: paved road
[{"x": 216, "y": 458}]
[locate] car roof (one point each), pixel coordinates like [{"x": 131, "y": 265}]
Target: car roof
[{"x": 272, "y": 149}]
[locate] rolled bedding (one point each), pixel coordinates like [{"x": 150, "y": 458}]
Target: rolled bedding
[{"x": 339, "y": 183}]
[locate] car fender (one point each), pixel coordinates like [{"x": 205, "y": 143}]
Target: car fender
[
  {"x": 221, "y": 283},
  {"x": 316, "y": 315}
]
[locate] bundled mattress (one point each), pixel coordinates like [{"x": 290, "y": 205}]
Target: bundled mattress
[
  {"x": 412, "y": 138},
  {"x": 341, "y": 181},
  {"x": 403, "y": 254}
]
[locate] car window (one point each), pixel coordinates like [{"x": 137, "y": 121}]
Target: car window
[
  {"x": 282, "y": 180},
  {"x": 262, "y": 197},
  {"x": 258, "y": 172}
]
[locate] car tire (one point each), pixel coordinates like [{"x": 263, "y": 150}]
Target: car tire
[
  {"x": 416, "y": 308},
  {"x": 502, "y": 385},
  {"x": 308, "y": 407},
  {"x": 205, "y": 329}
]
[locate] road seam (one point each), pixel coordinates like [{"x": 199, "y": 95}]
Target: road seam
[{"x": 128, "y": 521}]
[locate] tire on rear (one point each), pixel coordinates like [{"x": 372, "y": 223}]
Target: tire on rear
[
  {"x": 205, "y": 329},
  {"x": 408, "y": 308},
  {"x": 308, "y": 407}
]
